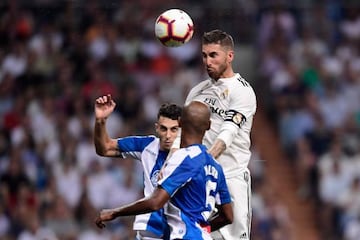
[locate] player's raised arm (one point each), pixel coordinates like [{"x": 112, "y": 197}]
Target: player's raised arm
[{"x": 104, "y": 145}]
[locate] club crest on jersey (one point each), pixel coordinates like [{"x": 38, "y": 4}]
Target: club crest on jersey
[
  {"x": 225, "y": 94},
  {"x": 237, "y": 118},
  {"x": 154, "y": 178}
]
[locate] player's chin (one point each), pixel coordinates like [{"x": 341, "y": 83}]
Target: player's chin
[
  {"x": 212, "y": 74},
  {"x": 167, "y": 146}
]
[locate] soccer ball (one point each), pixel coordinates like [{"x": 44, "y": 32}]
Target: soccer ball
[{"x": 174, "y": 28}]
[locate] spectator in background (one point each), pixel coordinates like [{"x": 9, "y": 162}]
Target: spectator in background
[
  {"x": 97, "y": 84},
  {"x": 349, "y": 203},
  {"x": 13, "y": 180},
  {"x": 66, "y": 174},
  {"x": 60, "y": 219},
  {"x": 15, "y": 63},
  {"x": 35, "y": 230},
  {"x": 17, "y": 191}
]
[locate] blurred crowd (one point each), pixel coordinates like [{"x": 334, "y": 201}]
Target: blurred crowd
[
  {"x": 57, "y": 56},
  {"x": 309, "y": 60}
]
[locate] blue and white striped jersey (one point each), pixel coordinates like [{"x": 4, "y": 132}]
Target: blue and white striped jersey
[
  {"x": 147, "y": 150},
  {"x": 195, "y": 182}
]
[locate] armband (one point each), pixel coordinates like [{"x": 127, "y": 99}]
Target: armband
[{"x": 235, "y": 117}]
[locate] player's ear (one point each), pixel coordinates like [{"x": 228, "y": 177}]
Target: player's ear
[
  {"x": 179, "y": 122},
  {"x": 231, "y": 55},
  {"x": 208, "y": 126},
  {"x": 156, "y": 125}
]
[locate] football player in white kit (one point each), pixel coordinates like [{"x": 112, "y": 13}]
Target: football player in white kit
[
  {"x": 150, "y": 150},
  {"x": 233, "y": 104},
  {"x": 191, "y": 183}
]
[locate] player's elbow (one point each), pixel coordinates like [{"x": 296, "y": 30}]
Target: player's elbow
[
  {"x": 158, "y": 199},
  {"x": 155, "y": 204},
  {"x": 100, "y": 151},
  {"x": 106, "y": 148}
]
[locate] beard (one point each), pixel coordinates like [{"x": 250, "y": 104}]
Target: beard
[
  {"x": 216, "y": 73},
  {"x": 213, "y": 74}
]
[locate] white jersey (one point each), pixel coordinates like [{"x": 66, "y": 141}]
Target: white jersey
[{"x": 233, "y": 105}]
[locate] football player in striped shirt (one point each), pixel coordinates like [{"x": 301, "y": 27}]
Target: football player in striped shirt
[{"x": 150, "y": 150}]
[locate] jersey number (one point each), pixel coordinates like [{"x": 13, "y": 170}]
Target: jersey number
[{"x": 210, "y": 199}]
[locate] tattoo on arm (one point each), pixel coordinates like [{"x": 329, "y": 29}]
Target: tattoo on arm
[{"x": 217, "y": 148}]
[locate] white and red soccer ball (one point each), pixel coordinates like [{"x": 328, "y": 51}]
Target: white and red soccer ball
[{"x": 174, "y": 28}]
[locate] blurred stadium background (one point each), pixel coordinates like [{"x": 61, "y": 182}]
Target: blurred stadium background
[{"x": 57, "y": 56}]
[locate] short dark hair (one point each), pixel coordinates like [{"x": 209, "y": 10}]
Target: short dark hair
[
  {"x": 169, "y": 110},
  {"x": 218, "y": 37}
]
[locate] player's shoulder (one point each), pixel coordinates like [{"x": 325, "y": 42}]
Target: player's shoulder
[
  {"x": 190, "y": 152},
  {"x": 218, "y": 166},
  {"x": 213, "y": 164},
  {"x": 141, "y": 140},
  {"x": 151, "y": 139},
  {"x": 239, "y": 84},
  {"x": 213, "y": 161},
  {"x": 193, "y": 150},
  {"x": 142, "y": 137},
  {"x": 201, "y": 85},
  {"x": 240, "y": 81}
]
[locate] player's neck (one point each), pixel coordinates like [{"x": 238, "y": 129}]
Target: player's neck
[
  {"x": 229, "y": 73},
  {"x": 189, "y": 140}
]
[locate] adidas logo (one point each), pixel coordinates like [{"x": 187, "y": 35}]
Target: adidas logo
[{"x": 242, "y": 236}]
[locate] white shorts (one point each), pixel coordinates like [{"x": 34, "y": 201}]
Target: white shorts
[{"x": 240, "y": 191}]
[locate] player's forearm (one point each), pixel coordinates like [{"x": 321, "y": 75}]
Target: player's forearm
[
  {"x": 217, "y": 148},
  {"x": 102, "y": 139},
  {"x": 152, "y": 203},
  {"x": 145, "y": 205},
  {"x": 218, "y": 222},
  {"x": 223, "y": 218},
  {"x": 141, "y": 206}
]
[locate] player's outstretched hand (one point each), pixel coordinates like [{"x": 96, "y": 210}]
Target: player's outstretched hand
[
  {"x": 105, "y": 215},
  {"x": 104, "y": 106}
]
